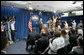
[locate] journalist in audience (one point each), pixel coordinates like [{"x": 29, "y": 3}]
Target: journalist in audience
[
  {"x": 56, "y": 44},
  {"x": 31, "y": 39},
  {"x": 42, "y": 43},
  {"x": 79, "y": 48},
  {"x": 80, "y": 24}
]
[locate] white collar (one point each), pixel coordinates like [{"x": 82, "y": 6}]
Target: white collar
[{"x": 3, "y": 51}]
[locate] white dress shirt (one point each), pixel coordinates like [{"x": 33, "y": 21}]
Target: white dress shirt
[
  {"x": 74, "y": 25},
  {"x": 66, "y": 40},
  {"x": 3, "y": 51},
  {"x": 12, "y": 25},
  {"x": 56, "y": 44}
]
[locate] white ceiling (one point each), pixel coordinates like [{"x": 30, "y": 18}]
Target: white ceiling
[{"x": 54, "y": 6}]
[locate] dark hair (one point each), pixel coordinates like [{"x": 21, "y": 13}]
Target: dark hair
[
  {"x": 80, "y": 41},
  {"x": 3, "y": 42},
  {"x": 73, "y": 31},
  {"x": 57, "y": 34},
  {"x": 63, "y": 32},
  {"x": 43, "y": 34},
  {"x": 51, "y": 32}
]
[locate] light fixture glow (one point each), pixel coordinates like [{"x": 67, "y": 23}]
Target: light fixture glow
[{"x": 17, "y": 2}]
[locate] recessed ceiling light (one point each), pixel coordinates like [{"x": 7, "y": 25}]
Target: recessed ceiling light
[
  {"x": 17, "y": 2},
  {"x": 54, "y": 11}
]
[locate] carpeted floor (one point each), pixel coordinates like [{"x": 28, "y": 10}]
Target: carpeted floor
[{"x": 18, "y": 48}]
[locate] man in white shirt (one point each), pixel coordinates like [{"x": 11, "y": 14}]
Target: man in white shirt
[
  {"x": 73, "y": 24},
  {"x": 13, "y": 29},
  {"x": 49, "y": 22},
  {"x": 57, "y": 43}
]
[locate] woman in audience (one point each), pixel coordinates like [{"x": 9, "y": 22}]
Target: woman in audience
[
  {"x": 56, "y": 44},
  {"x": 78, "y": 49}
]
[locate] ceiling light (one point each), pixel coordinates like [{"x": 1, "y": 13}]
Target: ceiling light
[
  {"x": 17, "y": 2},
  {"x": 54, "y": 11},
  {"x": 30, "y": 8}
]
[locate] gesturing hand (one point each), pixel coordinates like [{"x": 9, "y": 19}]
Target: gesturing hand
[{"x": 50, "y": 40}]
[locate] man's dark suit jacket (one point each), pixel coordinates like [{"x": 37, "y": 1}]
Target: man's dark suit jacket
[
  {"x": 42, "y": 43},
  {"x": 31, "y": 38}
]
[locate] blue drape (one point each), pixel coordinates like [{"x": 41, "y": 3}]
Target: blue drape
[{"x": 22, "y": 19}]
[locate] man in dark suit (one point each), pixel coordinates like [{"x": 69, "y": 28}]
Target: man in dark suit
[
  {"x": 41, "y": 44},
  {"x": 31, "y": 38},
  {"x": 4, "y": 45},
  {"x": 40, "y": 23}
]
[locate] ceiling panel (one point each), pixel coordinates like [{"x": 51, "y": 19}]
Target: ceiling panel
[{"x": 58, "y": 6}]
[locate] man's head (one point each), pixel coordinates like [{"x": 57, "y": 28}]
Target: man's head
[
  {"x": 80, "y": 41},
  {"x": 4, "y": 43},
  {"x": 57, "y": 34},
  {"x": 63, "y": 32},
  {"x": 72, "y": 31}
]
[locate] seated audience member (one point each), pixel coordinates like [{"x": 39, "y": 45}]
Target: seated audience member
[
  {"x": 73, "y": 37},
  {"x": 51, "y": 34},
  {"x": 31, "y": 38},
  {"x": 80, "y": 24},
  {"x": 78, "y": 49},
  {"x": 4, "y": 45},
  {"x": 66, "y": 38},
  {"x": 80, "y": 31},
  {"x": 41, "y": 44},
  {"x": 56, "y": 44}
]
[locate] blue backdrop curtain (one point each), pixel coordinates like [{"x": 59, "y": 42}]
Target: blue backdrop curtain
[
  {"x": 23, "y": 16},
  {"x": 22, "y": 19}
]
